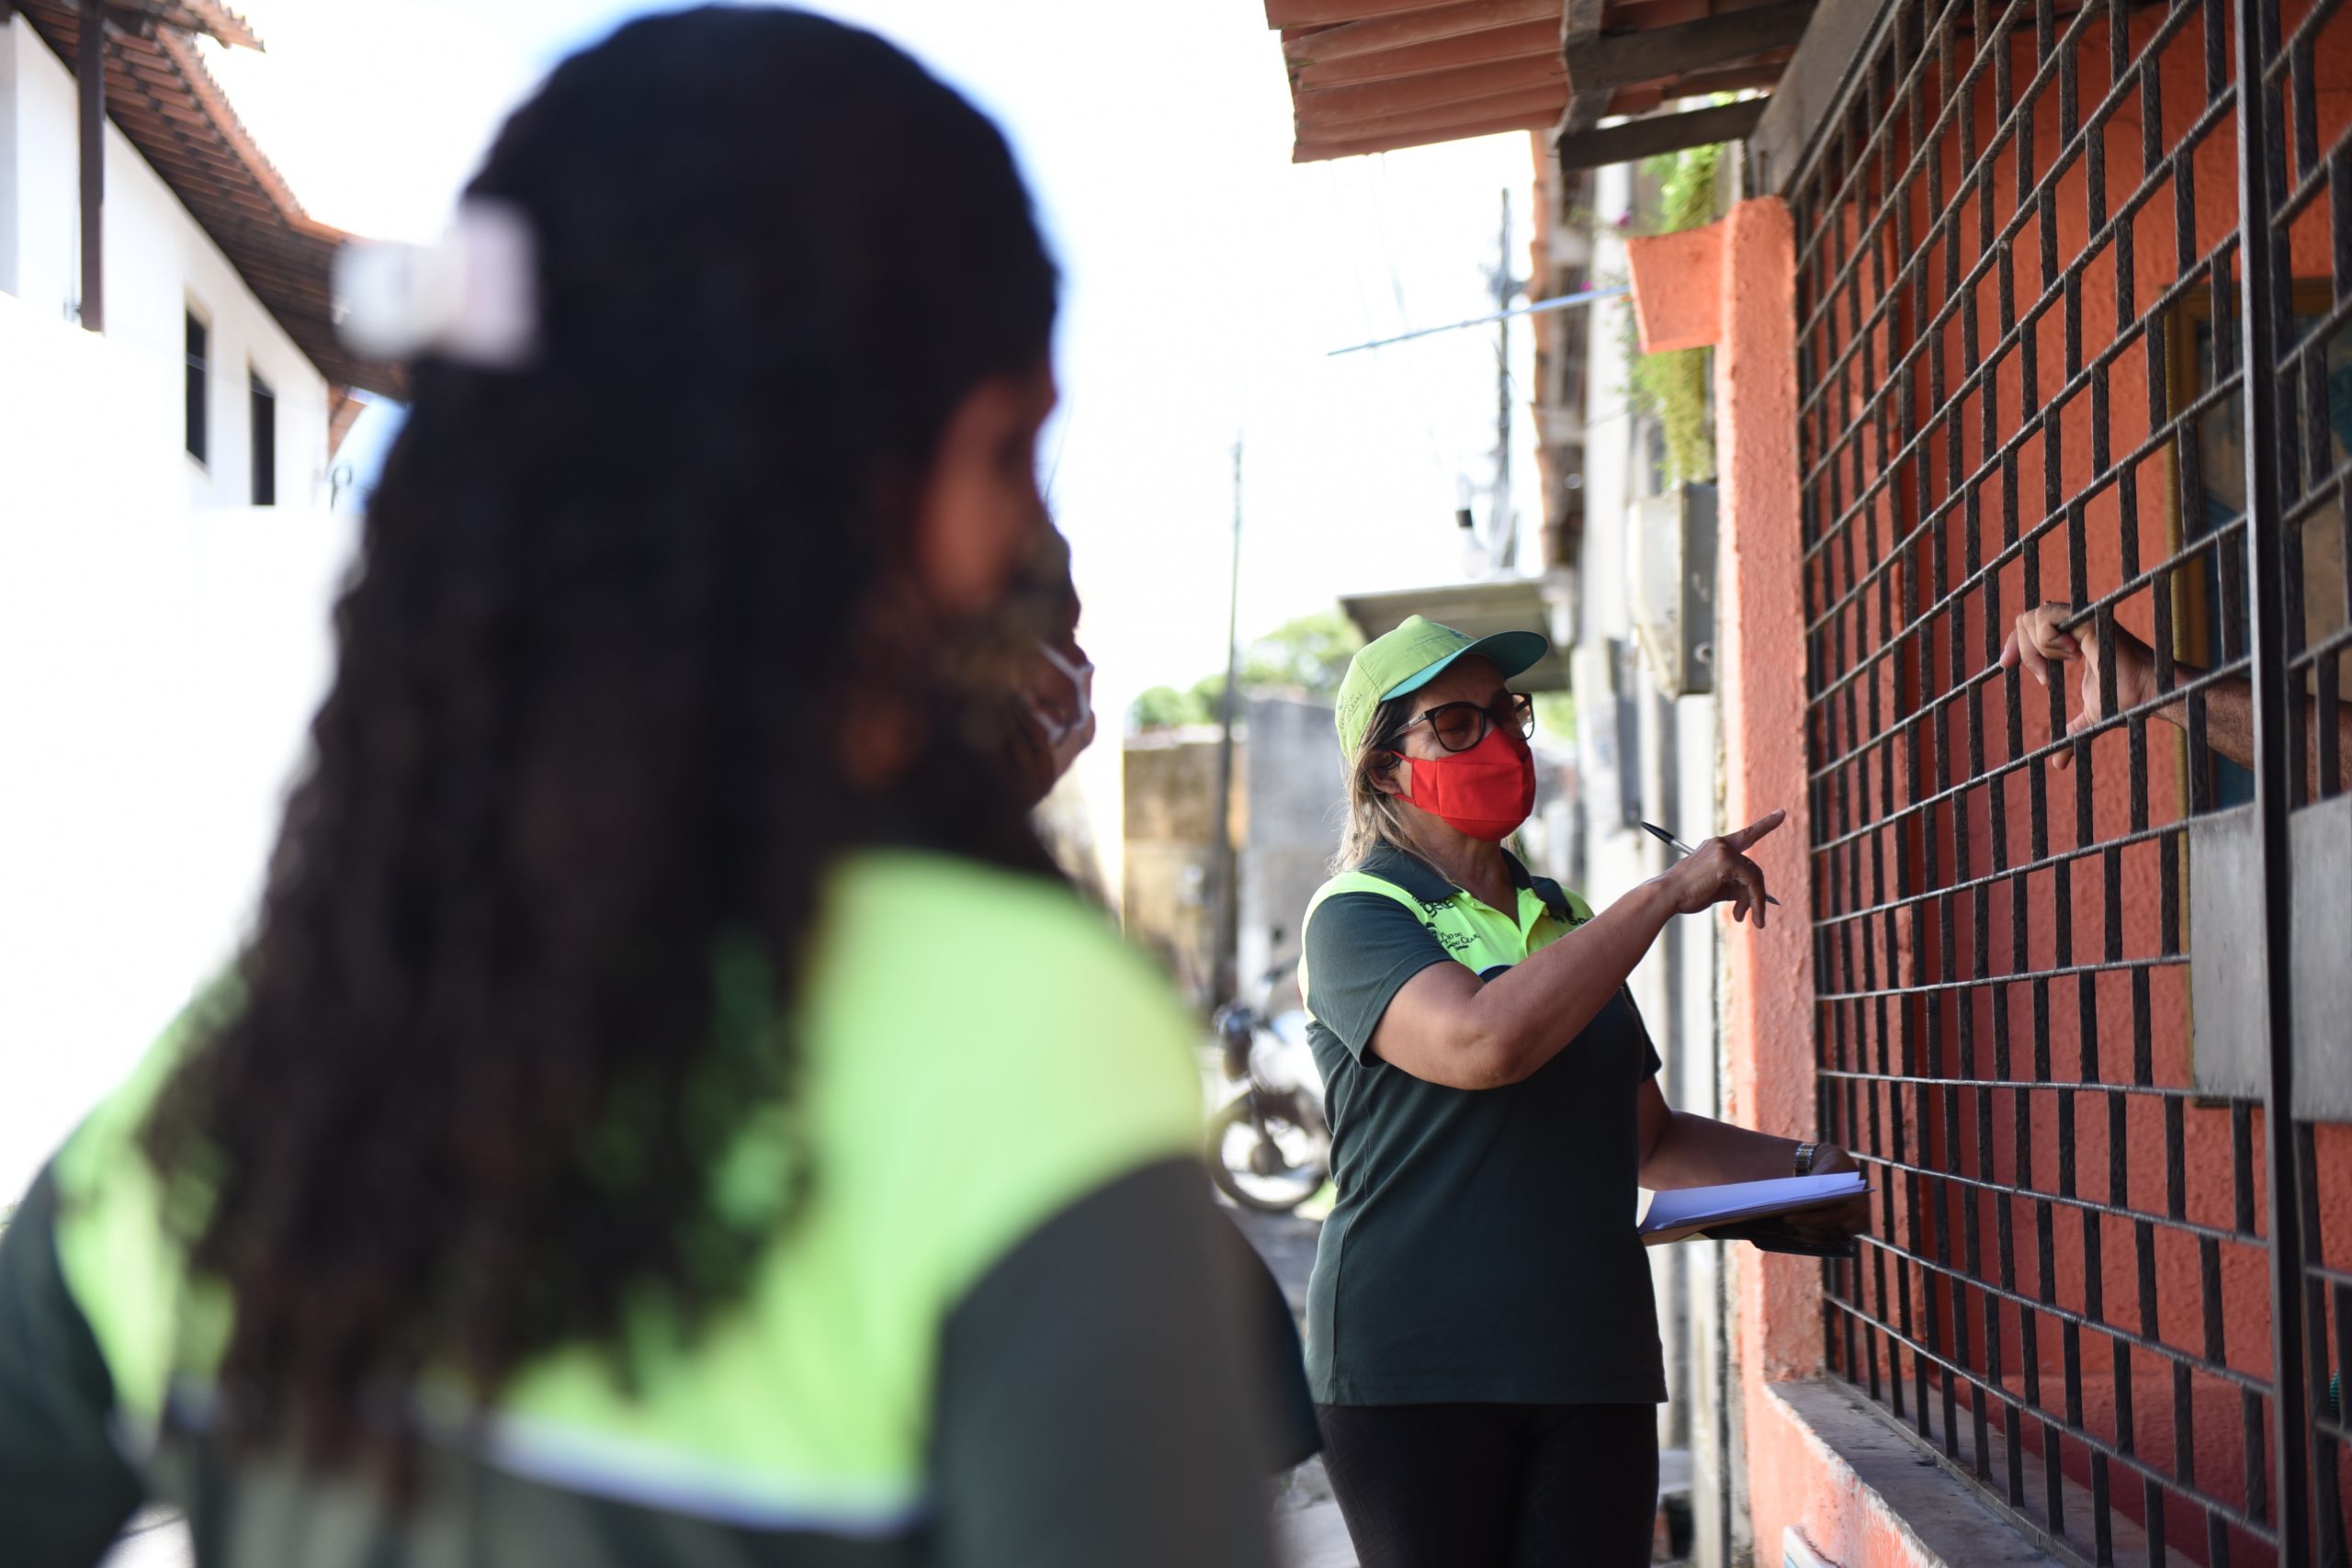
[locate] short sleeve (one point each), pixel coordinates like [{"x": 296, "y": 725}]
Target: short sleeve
[
  {"x": 1099, "y": 1400},
  {"x": 1361, "y": 949}
]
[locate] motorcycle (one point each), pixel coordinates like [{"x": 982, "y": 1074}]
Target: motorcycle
[{"x": 1270, "y": 1146}]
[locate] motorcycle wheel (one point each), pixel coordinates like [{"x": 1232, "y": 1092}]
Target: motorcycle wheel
[{"x": 1276, "y": 1173}]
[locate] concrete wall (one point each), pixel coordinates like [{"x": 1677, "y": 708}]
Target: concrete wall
[
  {"x": 1768, "y": 1011},
  {"x": 1293, "y": 781},
  {"x": 1287, "y": 821},
  {"x": 158, "y": 266},
  {"x": 1169, "y": 860}
]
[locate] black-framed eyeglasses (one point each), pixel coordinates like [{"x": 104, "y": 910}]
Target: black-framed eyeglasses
[{"x": 1460, "y": 726}]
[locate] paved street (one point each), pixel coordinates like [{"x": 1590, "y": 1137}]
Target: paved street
[
  {"x": 1307, "y": 1526},
  {"x": 155, "y": 1539},
  {"x": 1287, "y": 1244}
]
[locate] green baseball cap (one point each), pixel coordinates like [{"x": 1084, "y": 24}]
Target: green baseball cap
[{"x": 1412, "y": 656}]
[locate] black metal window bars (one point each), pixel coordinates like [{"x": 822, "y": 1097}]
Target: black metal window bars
[{"x": 2024, "y": 271}]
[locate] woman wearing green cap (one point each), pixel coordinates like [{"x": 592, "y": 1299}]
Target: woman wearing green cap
[{"x": 1481, "y": 1336}]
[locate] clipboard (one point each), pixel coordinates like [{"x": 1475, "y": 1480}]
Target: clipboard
[{"x": 1771, "y": 1216}]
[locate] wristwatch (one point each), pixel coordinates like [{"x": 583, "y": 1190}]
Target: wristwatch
[{"x": 1804, "y": 1157}]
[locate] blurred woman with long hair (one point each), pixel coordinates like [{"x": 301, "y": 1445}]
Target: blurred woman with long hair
[{"x": 669, "y": 1111}]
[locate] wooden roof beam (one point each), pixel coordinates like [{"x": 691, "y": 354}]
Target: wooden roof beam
[
  {"x": 1579, "y": 25},
  {"x": 1538, "y": 117},
  {"x": 1639, "y": 139},
  {"x": 1466, "y": 85},
  {"x": 1512, "y": 106},
  {"x": 1526, "y": 41},
  {"x": 1431, "y": 24},
  {"x": 1610, "y": 61},
  {"x": 1740, "y": 78},
  {"x": 1309, "y": 13}
]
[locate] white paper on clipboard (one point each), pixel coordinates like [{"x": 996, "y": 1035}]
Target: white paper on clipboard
[{"x": 1675, "y": 1215}]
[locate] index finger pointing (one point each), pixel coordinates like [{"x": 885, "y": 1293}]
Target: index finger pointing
[{"x": 1755, "y": 830}]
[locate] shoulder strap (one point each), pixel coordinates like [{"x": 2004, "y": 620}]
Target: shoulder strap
[
  {"x": 1357, "y": 882},
  {"x": 1345, "y": 882}
]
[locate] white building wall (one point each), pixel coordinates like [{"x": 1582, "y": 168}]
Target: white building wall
[
  {"x": 46, "y": 263},
  {"x": 159, "y": 665},
  {"x": 9, "y": 241},
  {"x": 162, "y": 645},
  {"x": 158, "y": 263}
]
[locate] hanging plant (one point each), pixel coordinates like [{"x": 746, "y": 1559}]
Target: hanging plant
[{"x": 1672, "y": 387}]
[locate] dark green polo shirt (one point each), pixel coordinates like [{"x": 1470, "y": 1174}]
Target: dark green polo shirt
[{"x": 1483, "y": 1246}]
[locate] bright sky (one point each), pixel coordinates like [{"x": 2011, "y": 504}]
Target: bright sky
[
  {"x": 1208, "y": 275},
  {"x": 1207, "y": 279}
]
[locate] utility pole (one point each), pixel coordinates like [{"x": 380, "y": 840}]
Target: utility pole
[
  {"x": 1228, "y": 885},
  {"x": 1501, "y": 529}
]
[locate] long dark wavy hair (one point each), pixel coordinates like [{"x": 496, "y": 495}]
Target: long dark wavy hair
[{"x": 538, "y": 907}]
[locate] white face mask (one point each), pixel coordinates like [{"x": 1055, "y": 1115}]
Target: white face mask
[{"x": 1081, "y": 682}]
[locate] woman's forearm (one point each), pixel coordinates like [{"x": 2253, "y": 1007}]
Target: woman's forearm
[
  {"x": 1699, "y": 1151},
  {"x": 1521, "y": 1019},
  {"x": 2229, "y": 727},
  {"x": 1451, "y": 1026}
]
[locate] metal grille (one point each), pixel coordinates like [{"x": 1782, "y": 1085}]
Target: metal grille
[
  {"x": 2300, "y": 240},
  {"x": 2021, "y": 292}
]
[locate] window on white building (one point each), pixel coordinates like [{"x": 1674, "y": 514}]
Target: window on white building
[
  {"x": 199, "y": 371},
  {"x": 265, "y": 429}
]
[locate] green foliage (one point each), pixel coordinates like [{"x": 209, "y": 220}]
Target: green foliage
[
  {"x": 1687, "y": 182},
  {"x": 1307, "y": 657},
  {"x": 1165, "y": 707},
  {"x": 1673, "y": 387}
]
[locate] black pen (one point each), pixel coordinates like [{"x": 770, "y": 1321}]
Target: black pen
[{"x": 1670, "y": 841}]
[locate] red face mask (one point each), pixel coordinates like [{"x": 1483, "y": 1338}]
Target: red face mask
[{"x": 1484, "y": 792}]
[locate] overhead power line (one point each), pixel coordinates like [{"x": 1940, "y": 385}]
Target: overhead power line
[{"x": 1561, "y": 303}]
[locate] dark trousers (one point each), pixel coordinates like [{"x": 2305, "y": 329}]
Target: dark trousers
[{"x": 1494, "y": 1485}]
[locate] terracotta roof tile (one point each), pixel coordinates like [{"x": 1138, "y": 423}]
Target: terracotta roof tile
[{"x": 167, "y": 103}]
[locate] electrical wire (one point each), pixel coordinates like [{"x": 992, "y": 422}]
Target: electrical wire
[{"x": 1561, "y": 302}]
